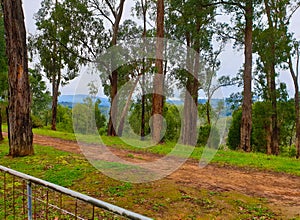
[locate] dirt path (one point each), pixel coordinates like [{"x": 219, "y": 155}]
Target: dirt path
[{"x": 281, "y": 190}]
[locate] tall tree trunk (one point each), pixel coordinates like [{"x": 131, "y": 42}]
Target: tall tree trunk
[
  {"x": 208, "y": 111},
  {"x": 274, "y": 139},
  {"x": 126, "y": 107},
  {"x": 114, "y": 104},
  {"x": 268, "y": 127},
  {"x": 55, "y": 93},
  {"x": 1, "y": 135},
  {"x": 190, "y": 108},
  {"x": 157, "y": 99},
  {"x": 144, "y": 8},
  {"x": 143, "y": 104},
  {"x": 20, "y": 127},
  {"x": 295, "y": 76},
  {"x": 111, "y": 131},
  {"x": 297, "y": 112},
  {"x": 246, "y": 125},
  {"x": 272, "y": 82}
]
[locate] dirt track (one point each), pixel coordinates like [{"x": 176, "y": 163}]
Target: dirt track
[{"x": 281, "y": 190}]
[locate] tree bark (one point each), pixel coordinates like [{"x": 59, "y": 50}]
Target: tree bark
[
  {"x": 246, "y": 125},
  {"x": 114, "y": 104},
  {"x": 20, "y": 127},
  {"x": 126, "y": 107},
  {"x": 143, "y": 101},
  {"x": 297, "y": 143},
  {"x": 111, "y": 131},
  {"x": 157, "y": 99},
  {"x": 272, "y": 83},
  {"x": 295, "y": 76},
  {"x": 208, "y": 111},
  {"x": 190, "y": 109},
  {"x": 55, "y": 93}
]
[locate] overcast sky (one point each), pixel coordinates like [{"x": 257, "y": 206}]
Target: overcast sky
[{"x": 231, "y": 60}]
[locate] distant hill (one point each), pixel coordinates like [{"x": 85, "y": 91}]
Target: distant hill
[
  {"x": 70, "y": 100},
  {"x": 73, "y": 99}
]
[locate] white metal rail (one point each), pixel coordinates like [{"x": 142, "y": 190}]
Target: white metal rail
[{"x": 87, "y": 199}]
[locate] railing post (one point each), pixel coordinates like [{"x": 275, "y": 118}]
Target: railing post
[{"x": 29, "y": 200}]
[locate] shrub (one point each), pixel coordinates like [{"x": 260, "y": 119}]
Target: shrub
[
  {"x": 209, "y": 135},
  {"x": 234, "y": 135},
  {"x": 36, "y": 122}
]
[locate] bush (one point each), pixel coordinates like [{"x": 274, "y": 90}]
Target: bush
[
  {"x": 234, "y": 135},
  {"x": 208, "y": 135},
  {"x": 288, "y": 151},
  {"x": 36, "y": 122}
]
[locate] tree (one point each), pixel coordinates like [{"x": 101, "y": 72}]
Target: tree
[
  {"x": 20, "y": 127},
  {"x": 294, "y": 70},
  {"x": 157, "y": 100},
  {"x": 246, "y": 125},
  {"x": 141, "y": 9},
  {"x": 66, "y": 31},
  {"x": 41, "y": 98},
  {"x": 210, "y": 87},
  {"x": 244, "y": 35},
  {"x": 112, "y": 12},
  {"x": 194, "y": 27}
]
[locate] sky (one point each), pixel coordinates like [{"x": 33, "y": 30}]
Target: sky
[{"x": 231, "y": 59}]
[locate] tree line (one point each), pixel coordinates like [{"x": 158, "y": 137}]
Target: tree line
[{"x": 72, "y": 33}]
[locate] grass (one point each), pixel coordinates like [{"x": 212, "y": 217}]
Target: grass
[
  {"x": 58, "y": 167},
  {"x": 160, "y": 199},
  {"x": 253, "y": 160},
  {"x": 235, "y": 158}
]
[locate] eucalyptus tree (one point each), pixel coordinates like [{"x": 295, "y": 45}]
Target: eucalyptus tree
[
  {"x": 267, "y": 44},
  {"x": 142, "y": 9},
  {"x": 67, "y": 32},
  {"x": 157, "y": 99},
  {"x": 41, "y": 98},
  {"x": 242, "y": 33},
  {"x": 194, "y": 28},
  {"x": 294, "y": 70},
  {"x": 112, "y": 12},
  {"x": 20, "y": 127},
  {"x": 272, "y": 41},
  {"x": 212, "y": 84}
]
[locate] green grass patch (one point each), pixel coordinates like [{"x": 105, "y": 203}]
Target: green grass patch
[
  {"x": 52, "y": 165},
  {"x": 253, "y": 160},
  {"x": 160, "y": 199}
]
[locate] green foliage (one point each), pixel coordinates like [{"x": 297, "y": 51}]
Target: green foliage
[
  {"x": 87, "y": 117},
  {"x": 286, "y": 122},
  {"x": 288, "y": 151},
  {"x": 260, "y": 122},
  {"x": 261, "y": 114},
  {"x": 64, "y": 119},
  {"x": 234, "y": 135},
  {"x": 209, "y": 136},
  {"x": 36, "y": 122},
  {"x": 171, "y": 116},
  {"x": 65, "y": 32},
  {"x": 173, "y": 120},
  {"x": 135, "y": 116},
  {"x": 41, "y": 98}
]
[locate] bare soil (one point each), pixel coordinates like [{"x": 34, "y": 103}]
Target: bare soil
[{"x": 282, "y": 191}]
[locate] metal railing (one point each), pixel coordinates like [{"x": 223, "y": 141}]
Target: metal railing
[{"x": 26, "y": 197}]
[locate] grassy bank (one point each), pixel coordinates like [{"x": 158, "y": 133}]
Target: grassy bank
[
  {"x": 253, "y": 160},
  {"x": 164, "y": 199}
]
